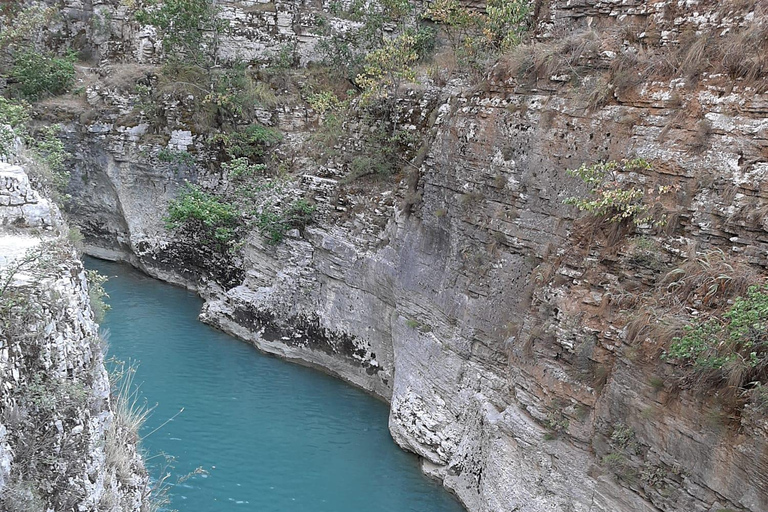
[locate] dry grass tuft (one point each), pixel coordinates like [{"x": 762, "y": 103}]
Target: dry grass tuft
[
  {"x": 710, "y": 280},
  {"x": 124, "y": 77}
]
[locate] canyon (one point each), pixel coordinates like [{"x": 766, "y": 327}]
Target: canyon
[{"x": 518, "y": 342}]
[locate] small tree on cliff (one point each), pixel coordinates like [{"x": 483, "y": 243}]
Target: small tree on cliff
[
  {"x": 190, "y": 29},
  {"x": 386, "y": 69}
]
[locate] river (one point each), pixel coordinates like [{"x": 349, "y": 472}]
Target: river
[{"x": 271, "y": 436}]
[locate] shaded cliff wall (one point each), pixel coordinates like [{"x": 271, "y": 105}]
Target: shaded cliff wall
[
  {"x": 501, "y": 328},
  {"x": 61, "y": 445}
]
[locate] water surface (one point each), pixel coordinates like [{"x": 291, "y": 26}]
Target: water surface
[{"x": 273, "y": 436}]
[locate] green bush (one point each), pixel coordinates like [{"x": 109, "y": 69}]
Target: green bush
[
  {"x": 36, "y": 75},
  {"x": 178, "y": 160},
  {"x": 97, "y": 294},
  {"x": 45, "y": 147},
  {"x": 217, "y": 222},
  {"x": 48, "y": 171},
  {"x": 249, "y": 142},
  {"x": 613, "y": 198},
  {"x": 13, "y": 119},
  {"x": 242, "y": 170},
  {"x": 507, "y": 22},
  {"x": 275, "y": 223},
  {"x": 734, "y": 346},
  {"x": 189, "y": 28}
]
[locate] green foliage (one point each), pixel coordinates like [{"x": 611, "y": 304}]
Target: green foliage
[
  {"x": 283, "y": 59},
  {"x": 459, "y": 22},
  {"x": 234, "y": 92},
  {"x": 249, "y": 142},
  {"x": 383, "y": 153},
  {"x": 325, "y": 101},
  {"x": 507, "y": 22},
  {"x": 274, "y": 223},
  {"x": 387, "y": 67},
  {"x": 50, "y": 150},
  {"x": 48, "y": 170},
  {"x": 46, "y": 166},
  {"x": 216, "y": 221},
  {"x": 424, "y": 40},
  {"x": 623, "y": 437},
  {"x": 556, "y": 424},
  {"x": 13, "y": 120},
  {"x": 178, "y": 160},
  {"x": 190, "y": 28},
  {"x": 56, "y": 396},
  {"x": 37, "y": 74},
  {"x": 344, "y": 51},
  {"x": 612, "y": 198},
  {"x": 619, "y": 465},
  {"x": 13, "y": 113},
  {"x": 241, "y": 169},
  {"x": 737, "y": 342},
  {"x": 22, "y": 24},
  {"x": 97, "y": 294},
  {"x": 477, "y": 39}
]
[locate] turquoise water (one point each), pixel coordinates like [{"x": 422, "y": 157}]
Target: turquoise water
[{"x": 272, "y": 436}]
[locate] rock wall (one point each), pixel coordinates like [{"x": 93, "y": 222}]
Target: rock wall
[
  {"x": 62, "y": 447},
  {"x": 502, "y": 329}
]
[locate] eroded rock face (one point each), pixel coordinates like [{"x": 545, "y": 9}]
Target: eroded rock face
[
  {"x": 22, "y": 207},
  {"x": 487, "y": 317},
  {"x": 60, "y": 446}
]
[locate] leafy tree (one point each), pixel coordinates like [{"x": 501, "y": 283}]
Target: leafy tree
[
  {"x": 190, "y": 28},
  {"x": 387, "y": 68},
  {"x": 507, "y": 22}
]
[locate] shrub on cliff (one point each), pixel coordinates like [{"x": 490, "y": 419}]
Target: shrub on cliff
[
  {"x": 42, "y": 152},
  {"x": 249, "y": 142},
  {"x": 732, "y": 347},
  {"x": 476, "y": 39},
  {"x": 274, "y": 222},
  {"x": 36, "y": 75},
  {"x": 213, "y": 220},
  {"x": 615, "y": 198},
  {"x": 190, "y": 28}
]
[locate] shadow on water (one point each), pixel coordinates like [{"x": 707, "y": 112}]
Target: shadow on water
[{"x": 272, "y": 436}]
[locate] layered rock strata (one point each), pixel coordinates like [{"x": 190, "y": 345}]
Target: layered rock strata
[{"x": 62, "y": 447}]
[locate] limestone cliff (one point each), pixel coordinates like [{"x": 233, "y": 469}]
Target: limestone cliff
[
  {"x": 518, "y": 344},
  {"x": 62, "y": 446}
]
